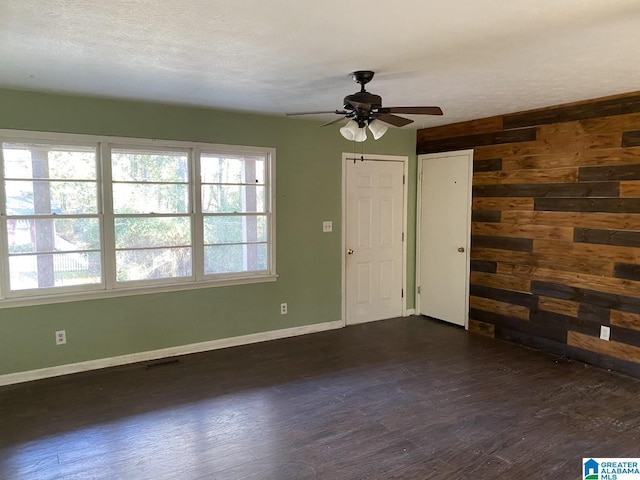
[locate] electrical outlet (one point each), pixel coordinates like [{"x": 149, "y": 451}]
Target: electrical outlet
[
  {"x": 61, "y": 337},
  {"x": 283, "y": 309},
  {"x": 327, "y": 226},
  {"x": 605, "y": 332}
]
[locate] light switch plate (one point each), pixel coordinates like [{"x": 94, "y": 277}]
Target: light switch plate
[
  {"x": 327, "y": 226},
  {"x": 605, "y": 332}
]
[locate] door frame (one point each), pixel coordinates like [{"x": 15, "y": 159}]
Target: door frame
[
  {"x": 349, "y": 157},
  {"x": 467, "y": 247}
]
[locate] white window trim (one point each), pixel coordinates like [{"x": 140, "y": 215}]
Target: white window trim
[{"x": 108, "y": 288}]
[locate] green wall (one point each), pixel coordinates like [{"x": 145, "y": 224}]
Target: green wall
[{"x": 308, "y": 191}]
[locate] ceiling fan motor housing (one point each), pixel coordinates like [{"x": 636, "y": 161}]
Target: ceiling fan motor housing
[{"x": 374, "y": 101}]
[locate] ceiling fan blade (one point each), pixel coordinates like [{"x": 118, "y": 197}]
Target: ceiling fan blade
[
  {"x": 393, "y": 119},
  {"x": 315, "y": 113},
  {"x": 332, "y": 122},
  {"x": 413, "y": 110}
]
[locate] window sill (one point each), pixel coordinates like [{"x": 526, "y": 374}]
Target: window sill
[{"x": 129, "y": 291}]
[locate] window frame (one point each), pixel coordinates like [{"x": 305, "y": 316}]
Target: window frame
[{"x": 108, "y": 286}]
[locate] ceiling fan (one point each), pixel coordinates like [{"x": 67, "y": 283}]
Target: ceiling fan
[{"x": 364, "y": 109}]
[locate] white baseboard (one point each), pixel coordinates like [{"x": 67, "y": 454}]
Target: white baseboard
[
  {"x": 27, "y": 376},
  {"x": 411, "y": 311}
]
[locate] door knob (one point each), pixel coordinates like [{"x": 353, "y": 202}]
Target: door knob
[
  {"x": 461, "y": 249},
  {"x": 350, "y": 251}
]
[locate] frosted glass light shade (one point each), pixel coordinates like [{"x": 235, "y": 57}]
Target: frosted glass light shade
[
  {"x": 361, "y": 135},
  {"x": 351, "y": 131},
  {"x": 378, "y": 128}
]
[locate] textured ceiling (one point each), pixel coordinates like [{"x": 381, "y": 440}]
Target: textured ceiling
[{"x": 473, "y": 58}]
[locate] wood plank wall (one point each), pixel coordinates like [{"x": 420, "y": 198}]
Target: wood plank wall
[{"x": 556, "y": 227}]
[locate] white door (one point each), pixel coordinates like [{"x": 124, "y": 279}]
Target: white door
[
  {"x": 374, "y": 224},
  {"x": 444, "y": 231}
]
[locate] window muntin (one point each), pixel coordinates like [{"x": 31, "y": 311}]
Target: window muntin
[
  {"x": 51, "y": 216},
  {"x": 106, "y": 201}
]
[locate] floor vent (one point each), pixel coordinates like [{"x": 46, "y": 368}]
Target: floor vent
[
  {"x": 562, "y": 359},
  {"x": 162, "y": 363}
]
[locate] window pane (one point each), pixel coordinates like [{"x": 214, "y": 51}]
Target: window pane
[
  {"x": 53, "y": 235},
  {"x": 235, "y": 258},
  {"x": 54, "y": 270},
  {"x": 49, "y": 161},
  {"x": 132, "y": 165},
  {"x": 232, "y": 199},
  {"x": 235, "y": 229},
  {"x": 153, "y": 264},
  {"x": 17, "y": 161},
  {"x": 152, "y": 232},
  {"x": 26, "y": 197},
  {"x": 77, "y": 165},
  {"x": 220, "y": 169},
  {"x": 150, "y": 198}
]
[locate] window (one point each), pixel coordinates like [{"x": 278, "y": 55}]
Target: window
[
  {"x": 52, "y": 223},
  {"x": 151, "y": 208},
  {"x": 104, "y": 216},
  {"x": 234, "y": 214}
]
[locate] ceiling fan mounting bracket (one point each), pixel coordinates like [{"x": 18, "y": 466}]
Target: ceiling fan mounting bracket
[{"x": 362, "y": 77}]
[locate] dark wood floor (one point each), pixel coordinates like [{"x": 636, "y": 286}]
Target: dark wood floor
[{"x": 404, "y": 398}]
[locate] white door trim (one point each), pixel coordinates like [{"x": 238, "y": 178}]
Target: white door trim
[
  {"x": 349, "y": 157},
  {"x": 469, "y": 154}
]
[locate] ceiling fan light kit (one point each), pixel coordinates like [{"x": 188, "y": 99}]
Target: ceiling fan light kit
[
  {"x": 363, "y": 109},
  {"x": 353, "y": 131}
]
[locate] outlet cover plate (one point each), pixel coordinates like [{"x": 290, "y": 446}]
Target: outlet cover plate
[
  {"x": 61, "y": 337},
  {"x": 327, "y": 226},
  {"x": 605, "y": 332}
]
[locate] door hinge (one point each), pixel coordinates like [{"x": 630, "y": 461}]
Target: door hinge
[
  {"x": 418, "y": 289},
  {"x": 420, "y": 177},
  {"x": 402, "y": 293},
  {"x": 403, "y": 236},
  {"x": 403, "y": 179}
]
